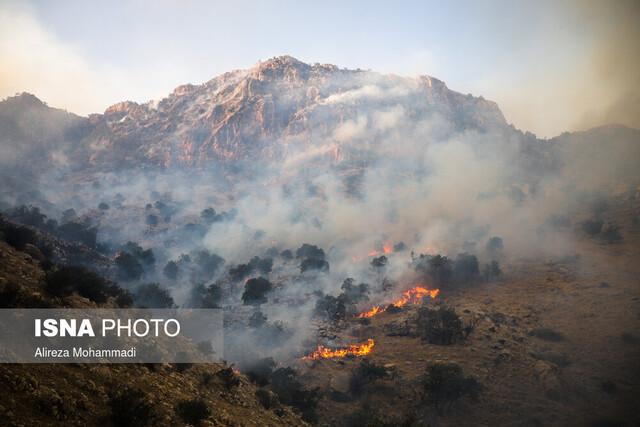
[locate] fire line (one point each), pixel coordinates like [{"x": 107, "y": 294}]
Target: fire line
[
  {"x": 323, "y": 352},
  {"x": 413, "y": 296}
]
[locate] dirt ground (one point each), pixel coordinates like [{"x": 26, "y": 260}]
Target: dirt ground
[{"x": 586, "y": 372}]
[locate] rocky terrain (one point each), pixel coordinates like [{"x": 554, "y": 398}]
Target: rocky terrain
[
  {"x": 80, "y": 395},
  {"x": 386, "y": 252},
  {"x": 256, "y": 114},
  {"x": 554, "y": 344}
]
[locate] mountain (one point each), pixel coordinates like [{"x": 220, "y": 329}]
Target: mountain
[
  {"x": 35, "y": 138},
  {"x": 241, "y": 114},
  {"x": 238, "y": 115},
  {"x": 281, "y": 111}
]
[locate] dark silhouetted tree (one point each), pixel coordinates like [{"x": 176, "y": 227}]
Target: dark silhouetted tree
[
  {"x": 193, "y": 411},
  {"x": 445, "y": 383},
  {"x": 256, "y": 290},
  {"x": 439, "y": 325},
  {"x": 152, "y": 295}
]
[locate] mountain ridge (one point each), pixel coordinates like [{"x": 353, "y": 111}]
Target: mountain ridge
[{"x": 268, "y": 112}]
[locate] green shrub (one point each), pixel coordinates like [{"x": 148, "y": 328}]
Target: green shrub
[
  {"x": 314, "y": 264},
  {"x": 129, "y": 267},
  {"x": 440, "y": 325},
  {"x": 267, "y": 398},
  {"x": 366, "y": 372},
  {"x": 465, "y": 268},
  {"x": 260, "y": 371},
  {"x": 152, "y": 295},
  {"x": 65, "y": 280},
  {"x": 445, "y": 383},
  {"x": 547, "y": 334},
  {"x": 79, "y": 232},
  {"x": 193, "y": 411},
  {"x": 171, "y": 270},
  {"x": 131, "y": 408},
  {"x": 290, "y": 391},
  {"x": 256, "y": 290},
  {"x": 331, "y": 308},
  {"x": 18, "y": 236},
  {"x": 491, "y": 271}
]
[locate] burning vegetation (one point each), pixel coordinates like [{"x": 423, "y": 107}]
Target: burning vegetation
[
  {"x": 356, "y": 350},
  {"x": 411, "y": 296}
]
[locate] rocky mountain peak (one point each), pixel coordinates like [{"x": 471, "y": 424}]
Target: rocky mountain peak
[
  {"x": 23, "y": 100},
  {"x": 260, "y": 112}
]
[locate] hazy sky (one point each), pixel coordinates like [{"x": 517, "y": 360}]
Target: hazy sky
[{"x": 551, "y": 65}]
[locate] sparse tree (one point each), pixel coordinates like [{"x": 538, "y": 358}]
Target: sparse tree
[{"x": 445, "y": 383}]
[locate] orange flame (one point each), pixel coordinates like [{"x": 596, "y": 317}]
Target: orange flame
[
  {"x": 387, "y": 249},
  {"x": 323, "y": 352},
  {"x": 413, "y": 296}
]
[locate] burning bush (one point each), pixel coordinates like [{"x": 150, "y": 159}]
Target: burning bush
[
  {"x": 132, "y": 408},
  {"x": 193, "y": 411},
  {"x": 445, "y": 383},
  {"x": 440, "y": 325},
  {"x": 366, "y": 373},
  {"x": 152, "y": 295},
  {"x": 256, "y": 290},
  {"x": 290, "y": 391}
]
